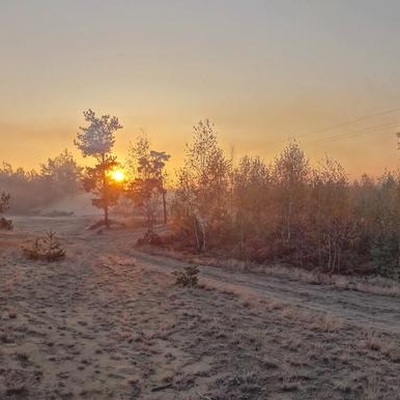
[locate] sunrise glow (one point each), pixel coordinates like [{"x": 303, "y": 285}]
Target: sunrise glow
[
  {"x": 117, "y": 175},
  {"x": 200, "y": 199}
]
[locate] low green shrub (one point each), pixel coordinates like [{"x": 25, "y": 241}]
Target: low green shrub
[
  {"x": 47, "y": 248},
  {"x": 188, "y": 277}
]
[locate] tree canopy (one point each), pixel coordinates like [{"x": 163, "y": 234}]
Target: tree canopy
[{"x": 98, "y": 138}]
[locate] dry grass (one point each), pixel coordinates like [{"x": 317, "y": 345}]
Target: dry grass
[
  {"x": 328, "y": 324},
  {"x": 105, "y": 325},
  {"x": 370, "y": 284}
]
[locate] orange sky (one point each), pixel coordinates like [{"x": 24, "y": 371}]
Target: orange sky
[{"x": 261, "y": 72}]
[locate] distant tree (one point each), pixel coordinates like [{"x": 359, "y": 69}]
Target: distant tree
[
  {"x": 96, "y": 140},
  {"x": 291, "y": 172},
  {"x": 148, "y": 183},
  {"x": 252, "y": 184},
  {"x": 4, "y": 202},
  {"x": 26, "y": 188},
  {"x": 385, "y": 243},
  {"x": 152, "y": 168},
  {"x": 203, "y": 192},
  {"x": 138, "y": 150},
  {"x": 332, "y": 230},
  {"x": 62, "y": 174}
]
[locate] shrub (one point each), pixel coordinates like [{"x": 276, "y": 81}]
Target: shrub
[
  {"x": 4, "y": 202},
  {"x": 151, "y": 238},
  {"x": 6, "y": 224},
  {"x": 188, "y": 277},
  {"x": 385, "y": 256},
  {"x": 47, "y": 248}
]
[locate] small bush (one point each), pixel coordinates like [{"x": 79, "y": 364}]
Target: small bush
[
  {"x": 4, "y": 202},
  {"x": 151, "y": 238},
  {"x": 5, "y": 224},
  {"x": 188, "y": 277},
  {"x": 47, "y": 248}
]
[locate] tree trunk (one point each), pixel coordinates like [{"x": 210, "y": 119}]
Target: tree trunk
[
  {"x": 241, "y": 235},
  {"x": 105, "y": 193},
  {"x": 398, "y": 251},
  {"x": 106, "y": 220},
  {"x": 196, "y": 234},
  {"x": 149, "y": 215},
  {"x": 164, "y": 206}
]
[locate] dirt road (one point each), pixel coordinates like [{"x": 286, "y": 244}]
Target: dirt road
[{"x": 368, "y": 310}]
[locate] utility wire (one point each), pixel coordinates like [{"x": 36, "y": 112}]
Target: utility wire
[
  {"x": 358, "y": 132},
  {"x": 353, "y": 121},
  {"x": 343, "y": 124}
]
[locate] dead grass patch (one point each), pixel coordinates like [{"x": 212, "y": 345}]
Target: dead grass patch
[{"x": 328, "y": 323}]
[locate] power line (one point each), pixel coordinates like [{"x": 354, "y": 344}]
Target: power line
[
  {"x": 353, "y": 121},
  {"x": 346, "y": 123},
  {"x": 358, "y": 132}
]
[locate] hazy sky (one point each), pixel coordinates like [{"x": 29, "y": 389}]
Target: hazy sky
[{"x": 262, "y": 71}]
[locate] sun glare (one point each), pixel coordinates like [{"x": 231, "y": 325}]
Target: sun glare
[{"x": 118, "y": 175}]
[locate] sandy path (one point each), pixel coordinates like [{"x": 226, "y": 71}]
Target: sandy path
[{"x": 362, "y": 309}]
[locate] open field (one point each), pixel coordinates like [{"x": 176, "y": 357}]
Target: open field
[{"x": 109, "y": 323}]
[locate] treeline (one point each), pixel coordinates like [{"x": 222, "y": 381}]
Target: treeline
[
  {"x": 287, "y": 211},
  {"x": 30, "y": 191}
]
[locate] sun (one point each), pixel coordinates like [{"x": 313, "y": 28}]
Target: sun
[{"x": 118, "y": 175}]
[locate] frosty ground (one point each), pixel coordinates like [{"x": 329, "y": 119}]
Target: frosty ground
[{"x": 108, "y": 322}]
